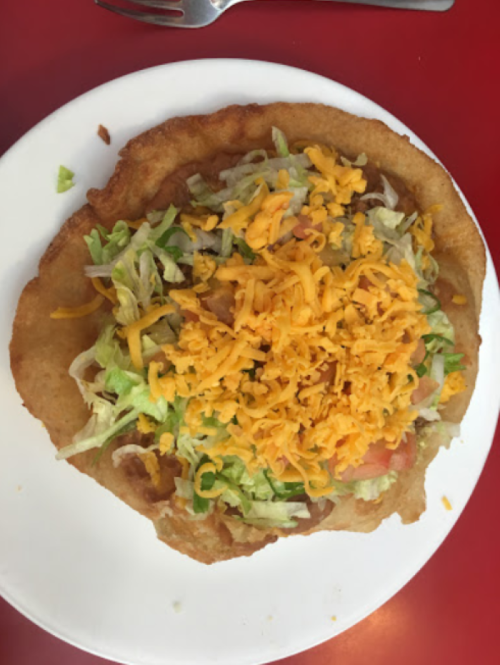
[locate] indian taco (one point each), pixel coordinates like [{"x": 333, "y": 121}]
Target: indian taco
[{"x": 265, "y": 324}]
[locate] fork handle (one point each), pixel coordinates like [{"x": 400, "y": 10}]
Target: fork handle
[
  {"x": 429, "y": 5},
  {"x": 424, "y": 5}
]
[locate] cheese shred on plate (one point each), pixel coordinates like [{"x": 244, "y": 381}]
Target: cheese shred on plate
[{"x": 279, "y": 337}]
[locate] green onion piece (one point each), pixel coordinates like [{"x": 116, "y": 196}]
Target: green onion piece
[
  {"x": 452, "y": 362},
  {"x": 174, "y": 252},
  {"x": 431, "y": 338},
  {"x": 165, "y": 237},
  {"x": 105, "y": 445},
  {"x": 245, "y": 250},
  {"x": 294, "y": 489},
  {"x": 421, "y": 370},
  {"x": 437, "y": 304},
  {"x": 245, "y": 502},
  {"x": 200, "y": 504}
]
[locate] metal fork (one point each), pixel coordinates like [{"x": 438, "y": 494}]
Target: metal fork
[{"x": 199, "y": 13}]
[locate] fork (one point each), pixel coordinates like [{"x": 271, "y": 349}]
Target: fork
[{"x": 199, "y": 13}]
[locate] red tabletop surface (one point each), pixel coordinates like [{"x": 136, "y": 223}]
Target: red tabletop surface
[{"x": 438, "y": 73}]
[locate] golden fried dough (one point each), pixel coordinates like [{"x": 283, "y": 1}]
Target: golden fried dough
[{"x": 151, "y": 174}]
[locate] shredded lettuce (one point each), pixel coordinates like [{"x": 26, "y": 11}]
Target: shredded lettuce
[
  {"x": 241, "y": 180},
  {"x": 164, "y": 239},
  {"x": 388, "y": 218},
  {"x": 116, "y": 241},
  {"x": 64, "y": 180},
  {"x": 120, "y": 381},
  {"x": 171, "y": 271},
  {"x": 429, "y": 414},
  {"x": 369, "y": 490},
  {"x": 187, "y": 447},
  {"x": 139, "y": 399},
  {"x": 441, "y": 325},
  {"x": 437, "y": 369},
  {"x": 166, "y": 222},
  {"x": 227, "y": 243},
  {"x": 254, "y": 495},
  {"x": 428, "y": 407},
  {"x": 107, "y": 349},
  {"x": 184, "y": 488},
  {"x": 389, "y": 197},
  {"x": 402, "y": 249},
  {"x": 130, "y": 449},
  {"x": 280, "y": 142},
  {"x": 137, "y": 273},
  {"x": 256, "y": 486},
  {"x": 95, "y": 246},
  {"x": 297, "y": 201},
  {"x": 97, "y": 440},
  {"x": 78, "y": 368},
  {"x": 245, "y": 250},
  {"x": 361, "y": 160},
  {"x": 267, "y": 169},
  {"x": 279, "y": 514},
  {"x": 435, "y": 343},
  {"x": 128, "y": 308},
  {"x": 430, "y": 303}
]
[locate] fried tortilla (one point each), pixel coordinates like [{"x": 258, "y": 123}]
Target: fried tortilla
[{"x": 150, "y": 175}]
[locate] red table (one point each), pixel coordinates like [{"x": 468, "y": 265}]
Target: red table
[{"x": 438, "y": 73}]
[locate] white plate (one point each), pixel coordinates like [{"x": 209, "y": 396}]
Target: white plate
[{"x": 80, "y": 563}]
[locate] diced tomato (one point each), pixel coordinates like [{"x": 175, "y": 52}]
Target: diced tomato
[
  {"x": 426, "y": 386},
  {"x": 379, "y": 460},
  {"x": 220, "y": 303},
  {"x": 305, "y": 222},
  {"x": 419, "y": 354},
  {"x": 363, "y": 472},
  {"x": 189, "y": 316},
  {"x": 405, "y": 455},
  {"x": 379, "y": 454}
]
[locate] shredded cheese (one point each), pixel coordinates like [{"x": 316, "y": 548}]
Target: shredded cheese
[
  {"x": 206, "y": 494},
  {"x": 152, "y": 467},
  {"x": 454, "y": 383},
  {"x": 295, "y": 317},
  {"x": 133, "y": 332},
  {"x": 203, "y": 222},
  {"x": 144, "y": 425},
  {"x": 203, "y": 267},
  {"x": 166, "y": 442},
  {"x": 78, "y": 312},
  {"x": 110, "y": 293},
  {"x": 185, "y": 467},
  {"x": 316, "y": 364},
  {"x": 137, "y": 224},
  {"x": 446, "y": 503}
]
